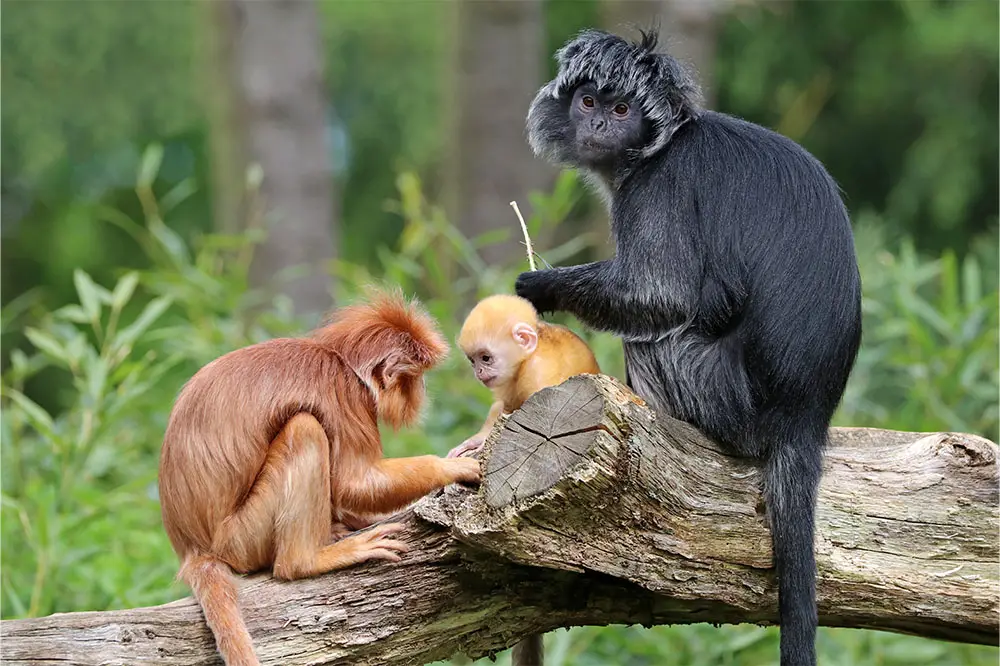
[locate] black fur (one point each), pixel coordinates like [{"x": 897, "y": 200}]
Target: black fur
[{"x": 734, "y": 287}]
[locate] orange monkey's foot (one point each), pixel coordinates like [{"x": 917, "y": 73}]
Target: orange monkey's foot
[
  {"x": 356, "y": 548},
  {"x": 463, "y": 470},
  {"x": 338, "y": 531},
  {"x": 373, "y": 544},
  {"x": 471, "y": 445},
  {"x": 348, "y": 524}
]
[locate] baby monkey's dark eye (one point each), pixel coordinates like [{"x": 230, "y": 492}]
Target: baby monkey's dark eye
[
  {"x": 620, "y": 109},
  {"x": 485, "y": 358},
  {"x": 587, "y": 101}
]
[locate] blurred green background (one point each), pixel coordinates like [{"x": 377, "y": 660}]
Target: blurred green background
[{"x": 182, "y": 178}]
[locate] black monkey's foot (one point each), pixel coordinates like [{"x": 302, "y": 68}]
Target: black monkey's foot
[{"x": 538, "y": 288}]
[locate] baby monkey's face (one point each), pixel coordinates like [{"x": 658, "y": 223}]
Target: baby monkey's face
[
  {"x": 496, "y": 353},
  {"x": 495, "y": 364}
]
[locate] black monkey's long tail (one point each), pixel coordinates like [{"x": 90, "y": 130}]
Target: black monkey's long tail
[{"x": 792, "y": 474}]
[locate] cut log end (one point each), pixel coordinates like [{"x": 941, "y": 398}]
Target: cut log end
[{"x": 552, "y": 432}]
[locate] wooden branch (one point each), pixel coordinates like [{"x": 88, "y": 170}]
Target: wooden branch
[{"x": 596, "y": 511}]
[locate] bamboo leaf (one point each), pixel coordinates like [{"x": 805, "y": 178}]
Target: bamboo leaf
[
  {"x": 124, "y": 290},
  {"x": 47, "y": 344},
  {"x": 152, "y": 158},
  {"x": 34, "y": 413},
  {"x": 90, "y": 298}
]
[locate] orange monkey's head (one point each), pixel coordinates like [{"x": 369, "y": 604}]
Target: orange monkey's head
[{"x": 389, "y": 343}]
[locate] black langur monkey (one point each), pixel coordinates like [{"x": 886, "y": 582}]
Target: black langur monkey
[{"x": 734, "y": 288}]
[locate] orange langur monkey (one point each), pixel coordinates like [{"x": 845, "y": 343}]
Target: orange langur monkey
[
  {"x": 273, "y": 451},
  {"x": 515, "y": 355}
]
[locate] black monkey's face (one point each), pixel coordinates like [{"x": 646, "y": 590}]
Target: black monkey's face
[
  {"x": 575, "y": 120},
  {"x": 605, "y": 126}
]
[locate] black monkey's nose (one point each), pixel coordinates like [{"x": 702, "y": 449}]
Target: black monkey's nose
[{"x": 597, "y": 123}]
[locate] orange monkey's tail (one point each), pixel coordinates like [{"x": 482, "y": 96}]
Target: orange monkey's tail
[{"x": 215, "y": 589}]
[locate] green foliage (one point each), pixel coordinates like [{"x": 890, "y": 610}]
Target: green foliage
[
  {"x": 743, "y": 645},
  {"x": 59, "y": 57},
  {"x": 208, "y": 280},
  {"x": 389, "y": 87},
  {"x": 73, "y": 483},
  {"x": 79, "y": 483},
  {"x": 929, "y": 356},
  {"x": 80, "y": 518}
]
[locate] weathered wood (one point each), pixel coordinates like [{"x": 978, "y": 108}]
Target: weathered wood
[{"x": 622, "y": 516}]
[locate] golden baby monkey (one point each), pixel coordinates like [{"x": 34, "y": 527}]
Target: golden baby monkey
[{"x": 515, "y": 355}]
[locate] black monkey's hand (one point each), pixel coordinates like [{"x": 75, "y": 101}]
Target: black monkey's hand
[{"x": 539, "y": 287}]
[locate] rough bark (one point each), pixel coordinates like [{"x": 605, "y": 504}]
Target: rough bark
[
  {"x": 621, "y": 516},
  {"x": 270, "y": 109}
]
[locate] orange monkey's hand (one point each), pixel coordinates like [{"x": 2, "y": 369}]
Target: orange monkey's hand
[
  {"x": 470, "y": 445},
  {"x": 463, "y": 470}
]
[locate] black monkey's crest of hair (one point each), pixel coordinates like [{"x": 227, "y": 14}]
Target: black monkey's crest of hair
[{"x": 664, "y": 89}]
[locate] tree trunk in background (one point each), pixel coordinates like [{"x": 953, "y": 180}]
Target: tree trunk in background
[
  {"x": 500, "y": 57},
  {"x": 227, "y": 120},
  {"x": 687, "y": 30},
  {"x": 268, "y": 108}
]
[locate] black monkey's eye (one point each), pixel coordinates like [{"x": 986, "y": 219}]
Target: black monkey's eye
[
  {"x": 587, "y": 101},
  {"x": 620, "y": 109}
]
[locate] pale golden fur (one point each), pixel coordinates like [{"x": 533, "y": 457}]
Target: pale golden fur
[{"x": 491, "y": 327}]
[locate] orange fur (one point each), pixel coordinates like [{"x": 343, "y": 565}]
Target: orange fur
[
  {"x": 273, "y": 451},
  {"x": 491, "y": 328}
]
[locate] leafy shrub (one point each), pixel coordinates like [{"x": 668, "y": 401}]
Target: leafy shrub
[
  {"x": 78, "y": 487},
  {"x": 929, "y": 356}
]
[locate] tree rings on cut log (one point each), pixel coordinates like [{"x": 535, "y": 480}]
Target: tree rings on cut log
[{"x": 553, "y": 430}]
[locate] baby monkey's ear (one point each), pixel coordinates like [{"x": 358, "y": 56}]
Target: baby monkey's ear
[{"x": 525, "y": 336}]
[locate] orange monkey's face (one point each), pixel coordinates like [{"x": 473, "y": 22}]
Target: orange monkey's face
[{"x": 400, "y": 401}]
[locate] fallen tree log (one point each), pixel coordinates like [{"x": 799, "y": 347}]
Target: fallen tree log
[{"x": 596, "y": 511}]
